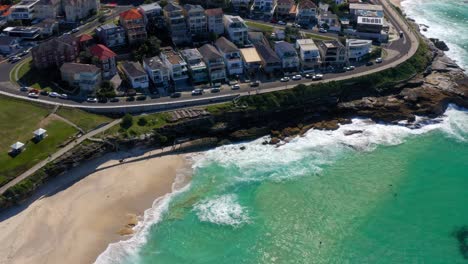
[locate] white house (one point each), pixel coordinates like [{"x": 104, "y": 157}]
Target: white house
[
  {"x": 157, "y": 71},
  {"x": 24, "y": 10},
  {"x": 309, "y": 53},
  {"x": 358, "y": 48},
  {"x": 176, "y": 65},
  {"x": 231, "y": 55},
  {"x": 367, "y": 10},
  {"x": 136, "y": 75},
  {"x": 236, "y": 29},
  {"x": 196, "y": 66}
]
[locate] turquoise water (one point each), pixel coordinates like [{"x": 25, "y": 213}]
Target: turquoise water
[
  {"x": 447, "y": 20},
  {"x": 387, "y": 195}
]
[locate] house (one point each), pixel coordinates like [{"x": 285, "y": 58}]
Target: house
[
  {"x": 283, "y": 7},
  {"x": 87, "y": 77},
  {"x": 278, "y": 34},
  {"x": 231, "y": 55},
  {"x": 288, "y": 55},
  {"x": 214, "y": 62},
  {"x": 306, "y": 13},
  {"x": 370, "y": 24},
  {"x": 240, "y": 4},
  {"x": 111, "y": 35},
  {"x": 176, "y": 65},
  {"x": 236, "y": 29},
  {"x": 40, "y": 134},
  {"x": 9, "y": 45},
  {"x": 24, "y": 33},
  {"x": 47, "y": 9},
  {"x": 365, "y": 10},
  {"x": 153, "y": 15},
  {"x": 76, "y": 10},
  {"x": 106, "y": 60},
  {"x": 55, "y": 52},
  {"x": 196, "y": 66},
  {"x": 270, "y": 62},
  {"x": 158, "y": 73},
  {"x": 47, "y": 27},
  {"x": 358, "y": 48},
  {"x": 309, "y": 54},
  {"x": 214, "y": 18},
  {"x": 134, "y": 25},
  {"x": 263, "y": 9},
  {"x": 176, "y": 23},
  {"x": 255, "y": 37},
  {"x": 331, "y": 20},
  {"x": 85, "y": 41},
  {"x": 332, "y": 52},
  {"x": 251, "y": 59},
  {"x": 196, "y": 19},
  {"x": 24, "y": 10},
  {"x": 135, "y": 74}
]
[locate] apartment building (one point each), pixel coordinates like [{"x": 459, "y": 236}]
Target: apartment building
[
  {"x": 48, "y": 9},
  {"x": 86, "y": 77},
  {"x": 76, "y": 10},
  {"x": 231, "y": 55},
  {"x": 358, "y": 48},
  {"x": 269, "y": 59},
  {"x": 134, "y": 24},
  {"x": 306, "y": 13},
  {"x": 196, "y": 66},
  {"x": 332, "y": 52},
  {"x": 152, "y": 14},
  {"x": 111, "y": 35},
  {"x": 331, "y": 20},
  {"x": 24, "y": 10},
  {"x": 214, "y": 18},
  {"x": 196, "y": 19},
  {"x": 177, "y": 66},
  {"x": 236, "y": 29},
  {"x": 288, "y": 55},
  {"x": 55, "y": 52},
  {"x": 106, "y": 60},
  {"x": 214, "y": 62},
  {"x": 158, "y": 73},
  {"x": 175, "y": 20},
  {"x": 263, "y": 9},
  {"x": 283, "y": 7},
  {"x": 309, "y": 54}
]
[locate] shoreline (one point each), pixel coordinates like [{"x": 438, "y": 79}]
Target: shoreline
[{"x": 77, "y": 224}]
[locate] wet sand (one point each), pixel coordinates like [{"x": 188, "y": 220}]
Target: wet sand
[{"x": 77, "y": 223}]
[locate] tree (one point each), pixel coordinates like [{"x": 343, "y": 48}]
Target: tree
[
  {"x": 106, "y": 90},
  {"x": 127, "y": 121},
  {"x": 149, "y": 48},
  {"x": 142, "y": 121},
  {"x": 85, "y": 57}
]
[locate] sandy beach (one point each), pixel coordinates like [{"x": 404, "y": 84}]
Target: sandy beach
[{"x": 76, "y": 224}]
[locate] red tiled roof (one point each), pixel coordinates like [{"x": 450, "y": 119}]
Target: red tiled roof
[
  {"x": 214, "y": 12},
  {"x": 307, "y": 4},
  {"x": 6, "y": 13},
  {"x": 102, "y": 52},
  {"x": 84, "y": 38},
  {"x": 131, "y": 14}
]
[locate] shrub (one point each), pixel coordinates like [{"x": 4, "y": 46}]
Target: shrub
[
  {"x": 127, "y": 121},
  {"x": 142, "y": 121}
]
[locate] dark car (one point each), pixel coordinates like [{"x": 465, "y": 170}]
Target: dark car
[
  {"x": 141, "y": 98},
  {"x": 369, "y": 63},
  {"x": 103, "y": 100},
  {"x": 131, "y": 98},
  {"x": 176, "y": 95},
  {"x": 114, "y": 100},
  {"x": 255, "y": 84},
  {"x": 44, "y": 92}
]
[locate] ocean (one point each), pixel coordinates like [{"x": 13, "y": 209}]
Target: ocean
[{"x": 389, "y": 194}]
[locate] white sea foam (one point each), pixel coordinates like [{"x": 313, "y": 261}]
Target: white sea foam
[
  {"x": 222, "y": 210},
  {"x": 316, "y": 147}
]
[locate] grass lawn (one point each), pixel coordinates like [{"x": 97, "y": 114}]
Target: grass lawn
[
  {"x": 18, "y": 120},
  {"x": 259, "y": 26},
  {"x": 317, "y": 37},
  {"x": 153, "y": 121},
  {"x": 82, "y": 119}
]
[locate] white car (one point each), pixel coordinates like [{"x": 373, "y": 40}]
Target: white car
[
  {"x": 281, "y": 23},
  {"x": 63, "y": 96},
  {"x": 197, "y": 92},
  {"x": 91, "y": 100},
  {"x": 54, "y": 94},
  {"x": 317, "y": 77},
  {"x": 322, "y": 30},
  {"x": 235, "y": 87},
  {"x": 33, "y": 95},
  {"x": 297, "y": 77},
  {"x": 351, "y": 68},
  {"x": 378, "y": 60},
  {"x": 284, "y": 79}
]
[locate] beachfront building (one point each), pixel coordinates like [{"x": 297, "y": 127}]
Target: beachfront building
[
  {"x": 47, "y": 9},
  {"x": 24, "y": 10},
  {"x": 270, "y": 61},
  {"x": 196, "y": 66},
  {"x": 105, "y": 60},
  {"x": 231, "y": 55},
  {"x": 333, "y": 53},
  {"x": 177, "y": 67},
  {"x": 55, "y": 52},
  {"x": 366, "y": 10},
  {"x": 214, "y": 62},
  {"x": 152, "y": 14},
  {"x": 86, "y": 77},
  {"x": 158, "y": 73},
  {"x": 214, "y": 18},
  {"x": 306, "y": 13},
  {"x": 236, "y": 29},
  {"x": 251, "y": 59},
  {"x": 263, "y": 9},
  {"x": 196, "y": 19},
  {"x": 134, "y": 25},
  {"x": 135, "y": 75},
  {"x": 309, "y": 54},
  {"x": 24, "y": 33},
  {"x": 288, "y": 55},
  {"x": 111, "y": 35},
  {"x": 175, "y": 20},
  {"x": 330, "y": 20},
  {"x": 358, "y": 48}
]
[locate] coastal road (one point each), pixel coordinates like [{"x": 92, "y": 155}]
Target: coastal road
[
  {"x": 58, "y": 154},
  {"x": 404, "y": 48}
]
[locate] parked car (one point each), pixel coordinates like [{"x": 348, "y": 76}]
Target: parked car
[
  {"x": 197, "y": 92},
  {"x": 215, "y": 90},
  {"x": 378, "y": 60},
  {"x": 33, "y": 95},
  {"x": 284, "y": 79},
  {"x": 281, "y": 23},
  {"x": 114, "y": 100},
  {"x": 44, "y": 92},
  {"x": 322, "y": 30},
  {"x": 235, "y": 87},
  {"x": 63, "y": 96},
  {"x": 296, "y": 25},
  {"x": 317, "y": 77},
  {"x": 91, "y": 100},
  {"x": 369, "y": 63},
  {"x": 255, "y": 84},
  {"x": 130, "y": 98},
  {"x": 308, "y": 76},
  {"x": 297, "y": 77},
  {"x": 141, "y": 97},
  {"x": 54, "y": 94},
  {"x": 75, "y": 30},
  {"x": 102, "y": 100},
  {"x": 24, "y": 89},
  {"x": 14, "y": 59},
  {"x": 351, "y": 68},
  {"x": 24, "y": 53},
  {"x": 176, "y": 95}
]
